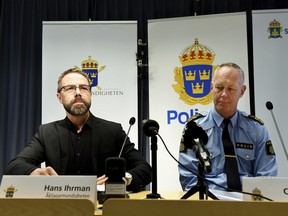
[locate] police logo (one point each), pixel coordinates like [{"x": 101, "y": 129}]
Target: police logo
[
  {"x": 275, "y": 29},
  {"x": 195, "y": 76},
  {"x": 10, "y": 191},
  {"x": 90, "y": 67},
  {"x": 257, "y": 195}
]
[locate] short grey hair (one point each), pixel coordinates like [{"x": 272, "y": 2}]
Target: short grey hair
[
  {"x": 72, "y": 70},
  {"x": 234, "y": 65}
]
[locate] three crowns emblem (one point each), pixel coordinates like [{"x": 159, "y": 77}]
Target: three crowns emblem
[
  {"x": 90, "y": 66},
  {"x": 195, "y": 76},
  {"x": 275, "y": 29}
]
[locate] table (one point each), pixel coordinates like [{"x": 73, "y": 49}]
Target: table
[{"x": 138, "y": 205}]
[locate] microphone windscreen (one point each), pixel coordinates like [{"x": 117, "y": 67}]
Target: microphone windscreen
[
  {"x": 269, "y": 105},
  {"x": 150, "y": 127},
  {"x": 115, "y": 169},
  {"x": 193, "y": 131},
  {"x": 132, "y": 121}
]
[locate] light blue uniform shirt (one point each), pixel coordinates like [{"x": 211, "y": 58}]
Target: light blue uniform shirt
[{"x": 253, "y": 149}]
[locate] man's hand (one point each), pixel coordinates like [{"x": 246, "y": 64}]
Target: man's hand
[
  {"x": 101, "y": 180},
  {"x": 44, "y": 171}
]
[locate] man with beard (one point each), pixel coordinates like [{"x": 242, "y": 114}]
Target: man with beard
[{"x": 80, "y": 143}]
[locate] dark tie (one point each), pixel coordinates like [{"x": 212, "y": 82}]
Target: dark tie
[{"x": 231, "y": 167}]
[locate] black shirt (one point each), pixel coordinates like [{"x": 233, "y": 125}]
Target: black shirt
[{"x": 79, "y": 162}]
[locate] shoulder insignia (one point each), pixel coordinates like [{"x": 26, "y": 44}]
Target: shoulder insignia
[
  {"x": 256, "y": 119},
  {"x": 182, "y": 149},
  {"x": 269, "y": 148},
  {"x": 194, "y": 117}
]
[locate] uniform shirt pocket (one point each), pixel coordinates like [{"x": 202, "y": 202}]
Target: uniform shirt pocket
[
  {"x": 245, "y": 151},
  {"x": 216, "y": 160}
]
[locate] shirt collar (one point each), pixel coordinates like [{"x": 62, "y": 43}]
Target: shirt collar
[
  {"x": 219, "y": 119},
  {"x": 88, "y": 123}
]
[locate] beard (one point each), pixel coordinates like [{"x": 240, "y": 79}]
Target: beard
[{"x": 78, "y": 109}]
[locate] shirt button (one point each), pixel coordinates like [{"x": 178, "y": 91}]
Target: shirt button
[{"x": 247, "y": 156}]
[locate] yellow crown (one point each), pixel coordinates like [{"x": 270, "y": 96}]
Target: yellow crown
[
  {"x": 93, "y": 75},
  {"x": 197, "y": 54},
  {"x": 190, "y": 75},
  {"x": 11, "y": 189},
  {"x": 198, "y": 89},
  {"x": 274, "y": 23},
  {"x": 89, "y": 64},
  {"x": 204, "y": 75}
]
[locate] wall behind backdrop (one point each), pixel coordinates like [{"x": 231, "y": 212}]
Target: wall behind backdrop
[{"x": 21, "y": 52}]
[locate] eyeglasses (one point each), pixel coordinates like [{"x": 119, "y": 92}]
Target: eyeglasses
[{"x": 72, "y": 88}]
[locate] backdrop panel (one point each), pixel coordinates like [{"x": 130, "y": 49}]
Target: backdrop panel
[
  {"x": 270, "y": 45},
  {"x": 223, "y": 38},
  {"x": 112, "y": 46}
]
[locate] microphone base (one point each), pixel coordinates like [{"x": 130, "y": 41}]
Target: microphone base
[
  {"x": 153, "y": 196},
  {"x": 202, "y": 191}
]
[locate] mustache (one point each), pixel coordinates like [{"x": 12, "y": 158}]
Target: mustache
[{"x": 78, "y": 99}]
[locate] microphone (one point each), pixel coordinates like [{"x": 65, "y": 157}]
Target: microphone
[
  {"x": 193, "y": 131},
  {"x": 269, "y": 106},
  {"x": 150, "y": 127},
  {"x": 202, "y": 154},
  {"x": 131, "y": 122},
  {"x": 115, "y": 168},
  {"x": 195, "y": 138}
]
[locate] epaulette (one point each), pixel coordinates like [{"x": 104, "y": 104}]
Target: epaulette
[
  {"x": 256, "y": 119},
  {"x": 196, "y": 116}
]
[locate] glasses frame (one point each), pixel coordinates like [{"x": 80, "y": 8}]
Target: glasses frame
[{"x": 83, "y": 88}]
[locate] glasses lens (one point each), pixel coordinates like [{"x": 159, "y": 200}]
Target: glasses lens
[
  {"x": 72, "y": 88},
  {"x": 84, "y": 88}
]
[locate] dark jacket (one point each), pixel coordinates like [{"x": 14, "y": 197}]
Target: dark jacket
[{"x": 50, "y": 144}]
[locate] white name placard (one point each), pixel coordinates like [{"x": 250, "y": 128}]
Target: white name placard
[
  {"x": 275, "y": 188},
  {"x": 25, "y": 186}
]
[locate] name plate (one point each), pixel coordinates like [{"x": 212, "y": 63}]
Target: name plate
[
  {"x": 275, "y": 188},
  {"x": 26, "y": 186}
]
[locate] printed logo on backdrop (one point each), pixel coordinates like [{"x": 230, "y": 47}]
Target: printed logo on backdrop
[
  {"x": 195, "y": 76},
  {"x": 92, "y": 69},
  {"x": 275, "y": 29}
]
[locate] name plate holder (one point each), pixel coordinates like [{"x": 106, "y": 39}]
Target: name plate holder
[{"x": 65, "y": 187}]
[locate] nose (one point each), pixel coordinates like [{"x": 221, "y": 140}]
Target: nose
[
  {"x": 224, "y": 93},
  {"x": 77, "y": 90}
]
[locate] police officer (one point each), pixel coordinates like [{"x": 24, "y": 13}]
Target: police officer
[{"x": 252, "y": 145}]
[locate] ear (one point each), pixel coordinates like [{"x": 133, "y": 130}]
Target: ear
[
  {"x": 59, "y": 97},
  {"x": 243, "y": 89}
]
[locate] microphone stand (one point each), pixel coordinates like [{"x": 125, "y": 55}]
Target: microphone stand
[
  {"x": 154, "y": 194},
  {"x": 279, "y": 134},
  {"x": 200, "y": 186}
]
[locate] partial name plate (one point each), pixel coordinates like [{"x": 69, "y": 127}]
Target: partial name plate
[
  {"x": 275, "y": 188},
  {"x": 26, "y": 186}
]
